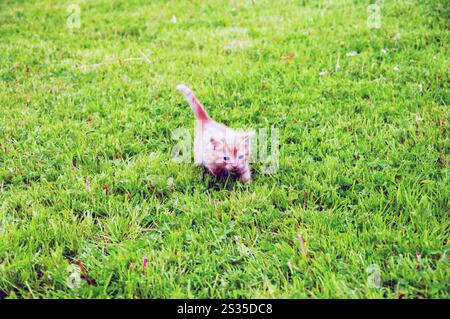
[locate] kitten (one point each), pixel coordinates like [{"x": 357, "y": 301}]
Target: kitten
[{"x": 220, "y": 149}]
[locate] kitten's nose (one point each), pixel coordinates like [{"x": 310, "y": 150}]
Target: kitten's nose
[{"x": 234, "y": 165}]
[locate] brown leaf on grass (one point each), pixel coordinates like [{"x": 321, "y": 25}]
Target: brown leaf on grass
[
  {"x": 152, "y": 186},
  {"x": 262, "y": 85},
  {"x": 287, "y": 57},
  {"x": 5, "y": 150},
  {"x": 105, "y": 189},
  {"x": 84, "y": 274},
  {"x": 401, "y": 295},
  {"x": 144, "y": 268},
  {"x": 302, "y": 245},
  {"x": 418, "y": 260}
]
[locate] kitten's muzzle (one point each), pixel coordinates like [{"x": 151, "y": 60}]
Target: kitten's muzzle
[{"x": 234, "y": 166}]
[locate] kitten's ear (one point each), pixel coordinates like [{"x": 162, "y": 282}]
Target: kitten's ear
[{"x": 215, "y": 142}]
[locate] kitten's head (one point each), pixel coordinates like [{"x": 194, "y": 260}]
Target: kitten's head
[{"x": 231, "y": 150}]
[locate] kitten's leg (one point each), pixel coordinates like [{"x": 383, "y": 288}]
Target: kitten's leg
[
  {"x": 245, "y": 175},
  {"x": 218, "y": 171}
]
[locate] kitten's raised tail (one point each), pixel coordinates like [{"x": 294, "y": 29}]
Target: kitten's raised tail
[{"x": 195, "y": 104}]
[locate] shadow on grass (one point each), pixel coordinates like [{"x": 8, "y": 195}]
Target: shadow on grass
[{"x": 219, "y": 183}]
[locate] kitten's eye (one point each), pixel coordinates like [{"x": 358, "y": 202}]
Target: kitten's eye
[
  {"x": 226, "y": 158},
  {"x": 241, "y": 156}
]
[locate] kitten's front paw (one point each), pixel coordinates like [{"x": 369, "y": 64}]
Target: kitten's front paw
[{"x": 246, "y": 178}]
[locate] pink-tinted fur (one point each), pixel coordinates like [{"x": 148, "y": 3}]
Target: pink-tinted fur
[{"x": 220, "y": 149}]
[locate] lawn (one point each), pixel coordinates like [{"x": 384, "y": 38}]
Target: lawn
[{"x": 92, "y": 205}]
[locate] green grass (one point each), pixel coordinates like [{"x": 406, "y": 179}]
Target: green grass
[{"x": 85, "y": 153}]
